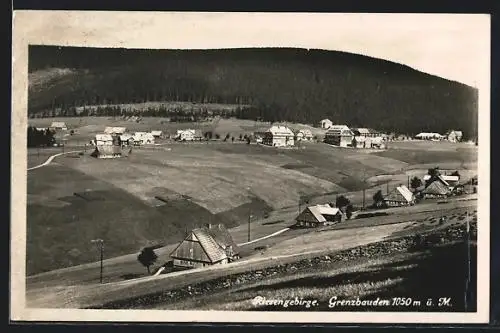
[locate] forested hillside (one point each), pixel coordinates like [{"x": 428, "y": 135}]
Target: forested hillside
[{"x": 294, "y": 85}]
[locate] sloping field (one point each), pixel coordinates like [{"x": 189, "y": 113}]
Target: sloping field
[
  {"x": 423, "y": 152},
  {"x": 212, "y": 179},
  {"x": 67, "y": 208}
]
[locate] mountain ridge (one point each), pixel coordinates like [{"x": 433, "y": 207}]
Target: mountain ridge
[{"x": 292, "y": 84}]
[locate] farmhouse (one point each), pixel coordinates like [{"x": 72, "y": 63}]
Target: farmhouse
[
  {"x": 278, "y": 136},
  {"x": 58, "y": 126},
  {"x": 103, "y": 140},
  {"x": 209, "y": 245},
  {"x": 428, "y": 136},
  {"x": 127, "y": 139},
  {"x": 106, "y": 151},
  {"x": 142, "y": 138},
  {"x": 454, "y": 136},
  {"x": 185, "y": 135},
  {"x": 436, "y": 189},
  {"x": 339, "y": 135},
  {"x": 319, "y": 215},
  {"x": 304, "y": 135},
  {"x": 399, "y": 196},
  {"x": 114, "y": 130}
]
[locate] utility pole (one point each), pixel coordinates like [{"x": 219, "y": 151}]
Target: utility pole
[
  {"x": 249, "y": 218},
  {"x": 387, "y": 187},
  {"x": 364, "y": 198},
  {"x": 408, "y": 181},
  {"x": 100, "y": 245}
]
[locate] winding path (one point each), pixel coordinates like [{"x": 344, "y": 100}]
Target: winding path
[
  {"x": 265, "y": 237},
  {"x": 49, "y": 160}
]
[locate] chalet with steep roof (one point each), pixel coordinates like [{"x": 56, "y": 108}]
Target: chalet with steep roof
[
  {"x": 209, "y": 245},
  {"x": 319, "y": 215}
]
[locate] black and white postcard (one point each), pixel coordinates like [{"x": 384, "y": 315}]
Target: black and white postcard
[{"x": 250, "y": 167}]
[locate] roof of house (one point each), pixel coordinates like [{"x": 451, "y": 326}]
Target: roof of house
[
  {"x": 427, "y": 134},
  {"x": 280, "y": 130},
  {"x": 361, "y": 130},
  {"x": 400, "y": 193},
  {"x": 320, "y": 210},
  {"x": 103, "y": 137},
  {"x": 156, "y": 132},
  {"x": 58, "y": 124},
  {"x": 222, "y": 236},
  {"x": 339, "y": 130},
  {"x": 436, "y": 188},
  {"x": 186, "y": 131},
  {"x": 446, "y": 178},
  {"x": 326, "y": 120},
  {"x": 126, "y": 136},
  {"x": 212, "y": 243}
]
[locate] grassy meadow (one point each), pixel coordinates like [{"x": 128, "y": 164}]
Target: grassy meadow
[{"x": 156, "y": 193}]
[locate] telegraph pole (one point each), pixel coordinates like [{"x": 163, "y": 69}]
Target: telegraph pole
[
  {"x": 100, "y": 245},
  {"x": 249, "y": 217}
]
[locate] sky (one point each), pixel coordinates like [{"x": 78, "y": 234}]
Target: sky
[{"x": 453, "y": 46}]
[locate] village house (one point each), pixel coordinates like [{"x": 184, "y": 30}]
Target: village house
[
  {"x": 58, "y": 126},
  {"x": 325, "y": 124},
  {"x": 436, "y": 189},
  {"x": 319, "y": 215},
  {"x": 143, "y": 138},
  {"x": 209, "y": 245},
  {"x": 429, "y": 136},
  {"x": 107, "y": 151},
  {"x": 185, "y": 135},
  {"x": 103, "y": 140},
  {"x": 278, "y": 136},
  {"x": 304, "y": 135},
  {"x": 454, "y": 136},
  {"x": 339, "y": 135},
  {"x": 399, "y": 196},
  {"x": 127, "y": 139}
]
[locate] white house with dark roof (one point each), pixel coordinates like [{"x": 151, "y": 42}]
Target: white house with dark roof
[
  {"x": 319, "y": 215},
  {"x": 206, "y": 246},
  {"x": 339, "y": 135},
  {"x": 279, "y": 136}
]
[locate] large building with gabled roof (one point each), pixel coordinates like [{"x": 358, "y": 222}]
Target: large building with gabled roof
[
  {"x": 209, "y": 245},
  {"x": 319, "y": 215},
  {"x": 399, "y": 196}
]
